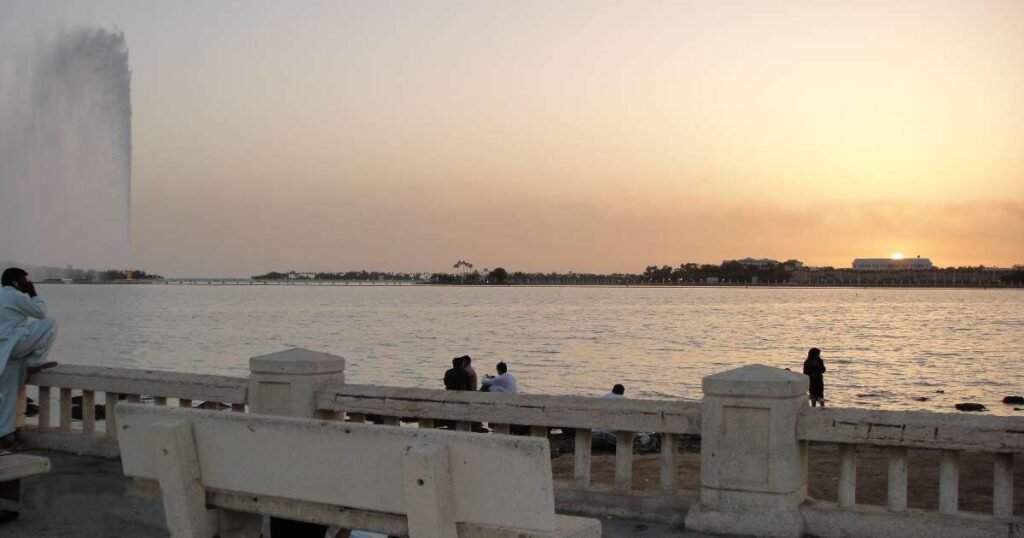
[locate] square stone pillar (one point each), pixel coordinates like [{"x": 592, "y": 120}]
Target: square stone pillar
[
  {"x": 753, "y": 477},
  {"x": 285, "y": 383}
]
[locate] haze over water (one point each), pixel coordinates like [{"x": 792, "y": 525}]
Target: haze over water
[{"x": 883, "y": 348}]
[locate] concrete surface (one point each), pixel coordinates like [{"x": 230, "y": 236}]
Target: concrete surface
[{"x": 85, "y": 496}]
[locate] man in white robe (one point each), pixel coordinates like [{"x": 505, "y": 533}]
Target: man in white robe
[{"x": 26, "y": 335}]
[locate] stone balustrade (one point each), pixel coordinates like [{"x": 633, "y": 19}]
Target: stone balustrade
[
  {"x": 754, "y": 424},
  {"x": 897, "y": 432},
  {"x": 53, "y": 390},
  {"x": 539, "y": 414}
]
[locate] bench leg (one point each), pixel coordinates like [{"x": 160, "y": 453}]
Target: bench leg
[
  {"x": 11, "y": 491},
  {"x": 428, "y": 492},
  {"x": 178, "y": 472}
]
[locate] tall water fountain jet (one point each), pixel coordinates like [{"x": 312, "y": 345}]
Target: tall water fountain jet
[{"x": 66, "y": 151}]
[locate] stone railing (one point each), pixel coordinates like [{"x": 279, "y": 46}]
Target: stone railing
[
  {"x": 539, "y": 415},
  {"x": 93, "y": 431},
  {"x": 896, "y": 433},
  {"x": 312, "y": 385},
  {"x": 754, "y": 424}
]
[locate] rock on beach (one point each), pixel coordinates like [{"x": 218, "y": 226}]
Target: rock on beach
[{"x": 970, "y": 406}]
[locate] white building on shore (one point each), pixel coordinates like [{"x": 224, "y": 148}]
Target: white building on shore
[{"x": 892, "y": 264}]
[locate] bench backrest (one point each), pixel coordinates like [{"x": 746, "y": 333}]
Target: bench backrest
[{"x": 495, "y": 480}]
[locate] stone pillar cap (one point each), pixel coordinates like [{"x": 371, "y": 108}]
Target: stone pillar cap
[
  {"x": 756, "y": 380},
  {"x": 297, "y": 361}
]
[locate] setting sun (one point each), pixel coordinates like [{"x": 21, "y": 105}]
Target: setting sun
[{"x": 897, "y": 256}]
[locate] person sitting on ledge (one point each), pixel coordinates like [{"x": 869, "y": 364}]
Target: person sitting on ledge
[
  {"x": 504, "y": 382},
  {"x": 474, "y": 381},
  {"x": 604, "y": 439},
  {"x": 456, "y": 377},
  {"x": 618, "y": 391},
  {"x": 24, "y": 344}
]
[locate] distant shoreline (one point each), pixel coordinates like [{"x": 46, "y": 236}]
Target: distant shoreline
[{"x": 329, "y": 283}]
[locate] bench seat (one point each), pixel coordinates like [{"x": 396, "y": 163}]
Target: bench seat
[{"x": 399, "y": 481}]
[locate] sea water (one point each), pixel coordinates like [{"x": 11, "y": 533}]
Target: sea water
[{"x": 884, "y": 348}]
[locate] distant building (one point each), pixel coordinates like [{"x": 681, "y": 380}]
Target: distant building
[
  {"x": 754, "y": 262},
  {"x": 792, "y": 265},
  {"x": 890, "y": 264}
]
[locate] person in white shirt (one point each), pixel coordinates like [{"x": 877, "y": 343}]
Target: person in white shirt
[
  {"x": 504, "y": 382},
  {"x": 618, "y": 391},
  {"x": 602, "y": 438},
  {"x": 26, "y": 335}
]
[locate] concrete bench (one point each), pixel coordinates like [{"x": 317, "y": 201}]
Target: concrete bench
[
  {"x": 217, "y": 470},
  {"x": 14, "y": 467}
]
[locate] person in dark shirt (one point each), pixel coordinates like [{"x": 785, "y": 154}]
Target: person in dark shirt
[
  {"x": 814, "y": 368},
  {"x": 457, "y": 378}
]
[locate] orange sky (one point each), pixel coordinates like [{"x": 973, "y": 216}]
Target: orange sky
[{"x": 585, "y": 136}]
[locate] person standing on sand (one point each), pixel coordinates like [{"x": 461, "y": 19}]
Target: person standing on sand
[
  {"x": 26, "y": 335},
  {"x": 814, "y": 368}
]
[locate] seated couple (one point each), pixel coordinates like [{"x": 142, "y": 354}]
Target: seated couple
[{"x": 462, "y": 376}]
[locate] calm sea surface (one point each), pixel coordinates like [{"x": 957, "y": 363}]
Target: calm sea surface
[{"x": 882, "y": 348}]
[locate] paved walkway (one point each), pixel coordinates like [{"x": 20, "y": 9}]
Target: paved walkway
[{"x": 85, "y": 496}]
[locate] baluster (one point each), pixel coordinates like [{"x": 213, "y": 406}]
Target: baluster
[
  {"x": 581, "y": 469},
  {"x": 184, "y": 402},
  {"x": 390, "y": 421},
  {"x": 160, "y": 400},
  {"x": 426, "y": 423},
  {"x": 44, "y": 408},
  {"x": 847, "y": 475},
  {"x": 238, "y": 408},
  {"x": 503, "y": 429},
  {"x": 1002, "y": 486},
  {"x": 539, "y": 431},
  {"x": 65, "y": 409},
  {"x": 110, "y": 413},
  {"x": 949, "y": 482},
  {"x": 623, "y": 460},
  {"x": 463, "y": 426},
  {"x": 22, "y": 406},
  {"x": 357, "y": 417},
  {"x": 88, "y": 412},
  {"x": 897, "y": 479},
  {"x": 669, "y": 458}
]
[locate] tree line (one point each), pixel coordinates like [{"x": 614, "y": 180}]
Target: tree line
[{"x": 728, "y": 272}]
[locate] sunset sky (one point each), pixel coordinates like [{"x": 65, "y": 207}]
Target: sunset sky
[{"x": 557, "y": 136}]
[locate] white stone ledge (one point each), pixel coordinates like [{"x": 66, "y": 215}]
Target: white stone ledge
[
  {"x": 681, "y": 417},
  {"x": 149, "y": 382},
  {"x": 917, "y": 429}
]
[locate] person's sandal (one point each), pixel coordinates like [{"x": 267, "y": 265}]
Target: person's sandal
[{"x": 12, "y": 443}]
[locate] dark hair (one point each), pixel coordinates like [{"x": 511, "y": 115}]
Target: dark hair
[
  {"x": 457, "y": 362},
  {"x": 11, "y": 274},
  {"x": 502, "y": 367},
  {"x": 814, "y": 353},
  {"x": 618, "y": 389},
  {"x": 466, "y": 359}
]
